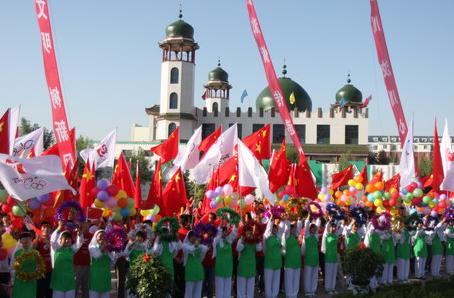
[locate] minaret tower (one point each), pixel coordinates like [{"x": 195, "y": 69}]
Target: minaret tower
[
  {"x": 217, "y": 90},
  {"x": 177, "y": 81}
]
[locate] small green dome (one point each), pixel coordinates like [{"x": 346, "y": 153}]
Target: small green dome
[
  {"x": 180, "y": 28},
  {"x": 218, "y": 74},
  {"x": 302, "y": 100},
  {"x": 350, "y": 93}
]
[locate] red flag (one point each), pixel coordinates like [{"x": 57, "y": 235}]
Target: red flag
[
  {"x": 363, "y": 174},
  {"x": 259, "y": 143},
  {"x": 86, "y": 185},
  {"x": 174, "y": 195},
  {"x": 366, "y": 102},
  {"x": 394, "y": 182},
  {"x": 278, "y": 174},
  {"x": 204, "y": 95},
  {"x": 155, "y": 193},
  {"x": 210, "y": 140},
  {"x": 4, "y": 133},
  {"x": 341, "y": 178},
  {"x": 305, "y": 186},
  {"x": 437, "y": 165},
  {"x": 168, "y": 149},
  {"x": 138, "y": 189},
  {"x": 53, "y": 150},
  {"x": 122, "y": 176}
]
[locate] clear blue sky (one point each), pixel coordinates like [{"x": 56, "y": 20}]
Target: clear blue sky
[{"x": 109, "y": 58}]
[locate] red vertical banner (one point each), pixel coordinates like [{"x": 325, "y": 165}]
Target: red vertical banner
[
  {"x": 273, "y": 83},
  {"x": 387, "y": 70},
  {"x": 59, "y": 121}
]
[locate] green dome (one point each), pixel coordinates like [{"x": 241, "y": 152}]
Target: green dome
[
  {"x": 218, "y": 74},
  {"x": 350, "y": 93},
  {"x": 302, "y": 100},
  {"x": 180, "y": 29}
]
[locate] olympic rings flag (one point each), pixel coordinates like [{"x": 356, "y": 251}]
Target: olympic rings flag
[
  {"x": 25, "y": 178},
  {"x": 59, "y": 121},
  {"x": 273, "y": 83}
]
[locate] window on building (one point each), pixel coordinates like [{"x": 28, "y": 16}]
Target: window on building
[
  {"x": 256, "y": 127},
  {"x": 174, "y": 75},
  {"x": 173, "y": 101},
  {"x": 172, "y": 127},
  {"x": 301, "y": 131},
  {"x": 278, "y": 133},
  {"x": 351, "y": 134},
  {"x": 215, "y": 106},
  {"x": 207, "y": 129},
  {"x": 323, "y": 134}
]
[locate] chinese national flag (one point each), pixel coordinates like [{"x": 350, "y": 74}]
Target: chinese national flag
[
  {"x": 4, "y": 133},
  {"x": 363, "y": 174},
  {"x": 304, "y": 182},
  {"x": 174, "y": 195},
  {"x": 87, "y": 183},
  {"x": 122, "y": 176},
  {"x": 279, "y": 172},
  {"x": 259, "y": 143},
  {"x": 155, "y": 193},
  {"x": 210, "y": 140},
  {"x": 341, "y": 178},
  {"x": 168, "y": 149},
  {"x": 437, "y": 167},
  {"x": 394, "y": 182},
  {"x": 138, "y": 189}
]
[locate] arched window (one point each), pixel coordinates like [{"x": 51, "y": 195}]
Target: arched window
[
  {"x": 174, "y": 76},
  {"x": 215, "y": 106},
  {"x": 172, "y": 127},
  {"x": 173, "y": 101}
]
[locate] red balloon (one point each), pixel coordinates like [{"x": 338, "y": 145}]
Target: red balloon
[
  {"x": 112, "y": 190},
  {"x": 10, "y": 201},
  {"x": 6, "y": 208},
  {"x": 395, "y": 195},
  {"x": 17, "y": 222}
]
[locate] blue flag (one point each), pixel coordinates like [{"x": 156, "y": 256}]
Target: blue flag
[
  {"x": 244, "y": 95},
  {"x": 342, "y": 102}
]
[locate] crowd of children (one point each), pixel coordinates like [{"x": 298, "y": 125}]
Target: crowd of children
[{"x": 223, "y": 254}]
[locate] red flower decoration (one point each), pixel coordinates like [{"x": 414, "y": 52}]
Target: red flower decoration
[{"x": 146, "y": 258}]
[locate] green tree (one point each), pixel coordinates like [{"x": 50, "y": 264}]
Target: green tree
[
  {"x": 142, "y": 158},
  {"x": 425, "y": 167},
  {"x": 83, "y": 143},
  {"x": 26, "y": 127},
  {"x": 344, "y": 161}
]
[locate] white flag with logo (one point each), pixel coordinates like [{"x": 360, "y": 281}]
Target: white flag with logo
[
  {"x": 447, "y": 158},
  {"x": 25, "y": 178},
  {"x": 103, "y": 155},
  {"x": 407, "y": 160},
  {"x": 30, "y": 144},
  {"x": 189, "y": 157},
  {"x": 251, "y": 173},
  {"x": 219, "y": 152}
]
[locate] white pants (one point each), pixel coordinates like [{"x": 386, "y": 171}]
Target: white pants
[
  {"x": 93, "y": 294},
  {"x": 435, "y": 266},
  {"x": 245, "y": 287},
  {"x": 450, "y": 264},
  {"x": 193, "y": 289},
  {"x": 67, "y": 294},
  {"x": 272, "y": 282},
  {"x": 420, "y": 263},
  {"x": 310, "y": 279},
  {"x": 387, "y": 274},
  {"x": 403, "y": 269},
  {"x": 292, "y": 282},
  {"x": 223, "y": 287},
  {"x": 330, "y": 276},
  {"x": 373, "y": 284}
]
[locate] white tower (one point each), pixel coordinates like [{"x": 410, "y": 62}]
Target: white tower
[
  {"x": 177, "y": 81},
  {"x": 217, "y": 90}
]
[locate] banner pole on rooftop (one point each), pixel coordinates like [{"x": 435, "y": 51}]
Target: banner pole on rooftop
[
  {"x": 59, "y": 120},
  {"x": 387, "y": 70}
]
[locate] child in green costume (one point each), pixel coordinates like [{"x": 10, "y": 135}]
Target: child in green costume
[
  {"x": 101, "y": 259},
  {"x": 272, "y": 248},
  {"x": 22, "y": 288},
  {"x": 329, "y": 248},
  {"x": 311, "y": 257},
  {"x": 449, "y": 234},
  {"x": 420, "y": 241},
  {"x": 222, "y": 252},
  {"x": 63, "y": 280},
  {"x": 193, "y": 252}
]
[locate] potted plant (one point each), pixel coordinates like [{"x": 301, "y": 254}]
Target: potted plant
[{"x": 361, "y": 264}]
